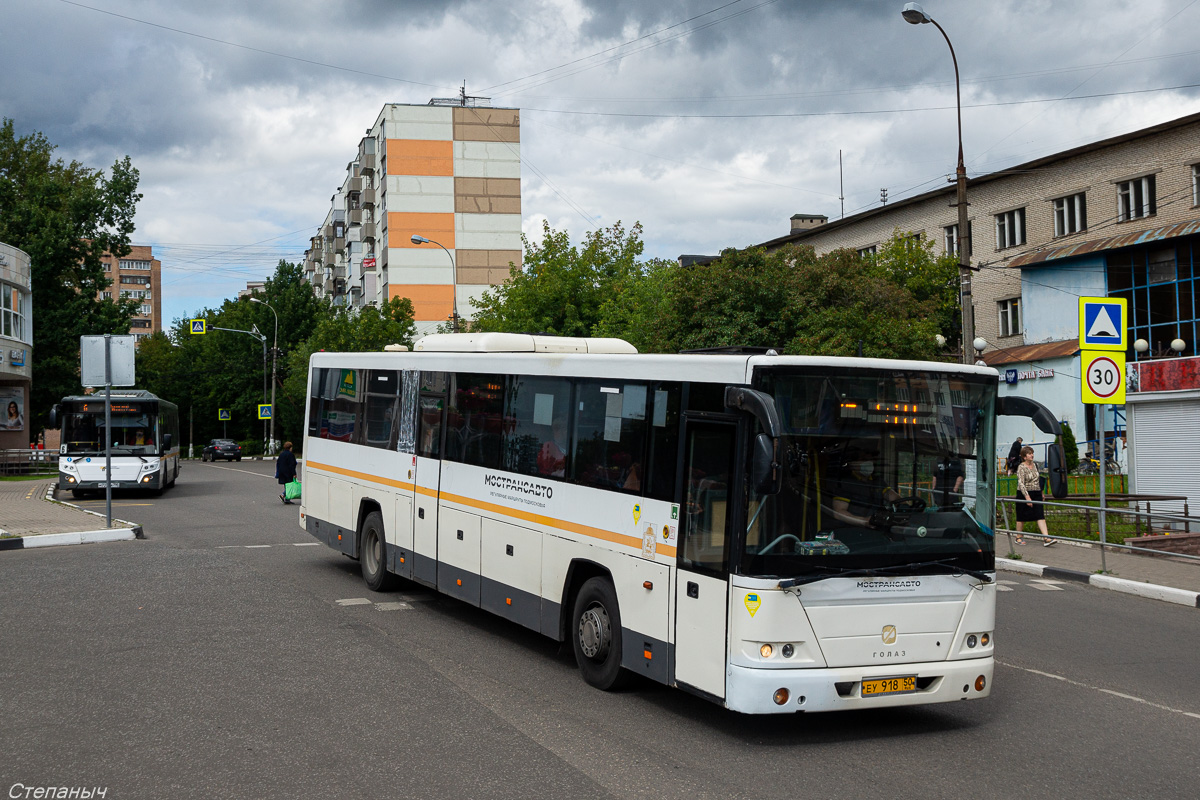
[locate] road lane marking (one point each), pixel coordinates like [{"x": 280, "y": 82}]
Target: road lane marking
[
  {"x": 353, "y": 601},
  {"x": 256, "y": 546},
  {"x": 1046, "y": 586},
  {"x": 400, "y": 606},
  {"x": 1122, "y": 695},
  {"x": 248, "y": 472},
  {"x": 1003, "y": 588},
  {"x": 306, "y": 544}
]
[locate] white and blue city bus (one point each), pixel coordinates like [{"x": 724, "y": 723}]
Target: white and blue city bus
[
  {"x": 774, "y": 533},
  {"x": 144, "y": 435}
]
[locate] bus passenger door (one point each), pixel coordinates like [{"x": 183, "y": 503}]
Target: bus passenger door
[
  {"x": 430, "y": 414},
  {"x": 702, "y": 585}
]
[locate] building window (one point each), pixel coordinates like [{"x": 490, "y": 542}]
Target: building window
[
  {"x": 1135, "y": 198},
  {"x": 868, "y": 252},
  {"x": 132, "y": 264},
  {"x": 140, "y": 280},
  {"x": 1070, "y": 214},
  {"x": 1010, "y": 316},
  {"x": 139, "y": 323},
  {"x": 1196, "y": 184},
  {"x": 146, "y": 309},
  {"x": 1010, "y": 228},
  {"x": 951, "y": 239},
  {"x": 13, "y": 312}
]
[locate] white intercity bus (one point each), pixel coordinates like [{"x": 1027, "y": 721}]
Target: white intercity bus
[
  {"x": 773, "y": 533},
  {"x": 144, "y": 437}
]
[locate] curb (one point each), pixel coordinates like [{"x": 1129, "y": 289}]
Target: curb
[
  {"x": 81, "y": 537},
  {"x": 137, "y": 529},
  {"x": 1167, "y": 594}
]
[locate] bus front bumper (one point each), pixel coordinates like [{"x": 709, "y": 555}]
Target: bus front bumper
[
  {"x": 72, "y": 482},
  {"x": 753, "y": 691}
]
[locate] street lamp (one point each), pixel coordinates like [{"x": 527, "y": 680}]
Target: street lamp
[
  {"x": 274, "y": 356},
  {"x": 916, "y": 15},
  {"x": 453, "y": 276}
]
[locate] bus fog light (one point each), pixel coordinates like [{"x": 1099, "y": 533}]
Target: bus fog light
[
  {"x": 781, "y": 696},
  {"x": 984, "y": 639},
  {"x": 70, "y": 479},
  {"x": 766, "y": 651},
  {"x": 788, "y": 651},
  {"x": 980, "y": 682},
  {"x": 971, "y": 640}
]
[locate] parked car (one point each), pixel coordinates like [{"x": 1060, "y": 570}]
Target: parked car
[{"x": 227, "y": 449}]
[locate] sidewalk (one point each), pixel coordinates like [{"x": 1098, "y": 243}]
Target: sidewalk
[{"x": 30, "y": 518}]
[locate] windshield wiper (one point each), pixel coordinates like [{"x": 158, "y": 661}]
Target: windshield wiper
[{"x": 833, "y": 572}]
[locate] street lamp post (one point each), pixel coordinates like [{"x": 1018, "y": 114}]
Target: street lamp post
[
  {"x": 916, "y": 15},
  {"x": 453, "y": 276},
  {"x": 274, "y": 356}
]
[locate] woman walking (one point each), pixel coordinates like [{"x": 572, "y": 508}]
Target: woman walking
[
  {"x": 1029, "y": 488},
  {"x": 285, "y": 470}
]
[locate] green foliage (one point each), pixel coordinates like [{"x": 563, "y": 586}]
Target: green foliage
[
  {"x": 560, "y": 289},
  {"x": 65, "y": 216},
  {"x": 1070, "y": 447},
  {"x": 931, "y": 279}
]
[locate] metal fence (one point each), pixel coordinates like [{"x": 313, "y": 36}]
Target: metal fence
[{"x": 28, "y": 462}]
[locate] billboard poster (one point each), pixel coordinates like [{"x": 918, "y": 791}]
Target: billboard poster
[{"x": 12, "y": 409}]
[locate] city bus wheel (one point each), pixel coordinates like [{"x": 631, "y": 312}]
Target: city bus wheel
[
  {"x": 373, "y": 554},
  {"x": 596, "y": 635}
]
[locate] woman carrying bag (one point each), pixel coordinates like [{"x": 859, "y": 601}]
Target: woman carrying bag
[
  {"x": 1029, "y": 498},
  {"x": 285, "y": 471}
]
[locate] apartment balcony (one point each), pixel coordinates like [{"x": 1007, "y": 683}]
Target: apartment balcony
[
  {"x": 354, "y": 216},
  {"x": 354, "y": 184},
  {"x": 366, "y": 161},
  {"x": 367, "y": 196},
  {"x": 339, "y": 243},
  {"x": 368, "y": 232}
]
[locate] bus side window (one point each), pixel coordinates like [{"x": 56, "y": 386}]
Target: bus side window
[
  {"x": 475, "y": 419},
  {"x": 536, "y": 438},
  {"x": 610, "y": 435},
  {"x": 315, "y": 404},
  {"x": 429, "y": 422},
  {"x": 380, "y": 428},
  {"x": 664, "y": 440},
  {"x": 709, "y": 467}
]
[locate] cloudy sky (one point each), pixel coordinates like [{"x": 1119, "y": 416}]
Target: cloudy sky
[{"x": 709, "y": 121}]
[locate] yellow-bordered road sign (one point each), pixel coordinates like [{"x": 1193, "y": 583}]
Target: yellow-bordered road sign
[
  {"x": 264, "y": 410},
  {"x": 1103, "y": 322},
  {"x": 224, "y": 415},
  {"x": 198, "y": 326},
  {"x": 1103, "y": 377}
]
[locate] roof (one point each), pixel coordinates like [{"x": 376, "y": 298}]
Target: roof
[
  {"x": 801, "y": 235},
  {"x": 1109, "y": 243},
  {"x": 1031, "y": 352}
]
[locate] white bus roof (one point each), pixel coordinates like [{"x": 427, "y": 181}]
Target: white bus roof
[{"x": 517, "y": 343}]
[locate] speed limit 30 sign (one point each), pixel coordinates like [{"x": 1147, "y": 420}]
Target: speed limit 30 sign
[{"x": 1103, "y": 377}]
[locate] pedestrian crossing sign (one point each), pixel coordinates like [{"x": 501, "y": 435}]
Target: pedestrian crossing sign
[
  {"x": 224, "y": 415},
  {"x": 198, "y": 326},
  {"x": 1103, "y": 322},
  {"x": 264, "y": 410}
]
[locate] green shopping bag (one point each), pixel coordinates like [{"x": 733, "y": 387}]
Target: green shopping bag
[{"x": 292, "y": 490}]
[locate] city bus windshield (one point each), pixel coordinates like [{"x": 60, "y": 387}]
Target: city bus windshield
[
  {"x": 882, "y": 469},
  {"x": 133, "y": 430}
]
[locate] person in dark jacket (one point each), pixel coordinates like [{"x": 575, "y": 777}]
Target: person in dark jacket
[
  {"x": 1014, "y": 457},
  {"x": 285, "y": 469}
]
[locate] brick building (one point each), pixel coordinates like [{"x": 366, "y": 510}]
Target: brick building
[
  {"x": 138, "y": 274},
  {"x": 1118, "y": 217},
  {"x": 450, "y": 172}
]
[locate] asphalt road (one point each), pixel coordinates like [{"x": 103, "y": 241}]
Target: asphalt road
[{"x": 214, "y": 659}]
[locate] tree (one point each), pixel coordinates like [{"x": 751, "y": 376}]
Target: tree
[
  {"x": 931, "y": 279},
  {"x": 65, "y": 216},
  {"x": 560, "y": 289}
]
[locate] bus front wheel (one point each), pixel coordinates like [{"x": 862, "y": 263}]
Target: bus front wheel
[
  {"x": 373, "y": 554},
  {"x": 596, "y": 635}
]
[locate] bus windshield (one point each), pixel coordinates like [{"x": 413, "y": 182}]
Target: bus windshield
[
  {"x": 133, "y": 431},
  {"x": 882, "y": 469}
]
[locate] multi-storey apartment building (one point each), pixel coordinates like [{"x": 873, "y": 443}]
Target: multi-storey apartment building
[
  {"x": 1118, "y": 217},
  {"x": 138, "y": 275},
  {"x": 449, "y": 172},
  {"x": 16, "y": 345}
]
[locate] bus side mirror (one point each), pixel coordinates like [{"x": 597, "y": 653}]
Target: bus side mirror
[
  {"x": 1056, "y": 462},
  {"x": 168, "y": 440},
  {"x": 55, "y": 415},
  {"x": 765, "y": 475}
]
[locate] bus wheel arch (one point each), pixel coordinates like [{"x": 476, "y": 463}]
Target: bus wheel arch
[{"x": 595, "y": 630}]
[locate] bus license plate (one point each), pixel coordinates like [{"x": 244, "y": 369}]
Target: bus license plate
[{"x": 889, "y": 686}]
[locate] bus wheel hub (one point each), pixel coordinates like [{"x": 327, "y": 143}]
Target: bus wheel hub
[{"x": 594, "y": 634}]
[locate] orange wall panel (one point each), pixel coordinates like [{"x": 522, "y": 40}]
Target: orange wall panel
[
  {"x": 430, "y": 301},
  {"x": 403, "y": 224},
  {"x": 419, "y": 157}
]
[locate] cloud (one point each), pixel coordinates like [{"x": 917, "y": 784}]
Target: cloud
[{"x": 239, "y": 150}]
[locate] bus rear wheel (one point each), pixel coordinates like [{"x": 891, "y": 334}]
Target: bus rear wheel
[
  {"x": 596, "y": 635},
  {"x": 373, "y": 554}
]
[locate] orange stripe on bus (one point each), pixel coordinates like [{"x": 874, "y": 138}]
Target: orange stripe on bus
[{"x": 550, "y": 522}]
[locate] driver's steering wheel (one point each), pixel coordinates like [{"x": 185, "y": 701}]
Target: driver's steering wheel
[{"x": 897, "y": 512}]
